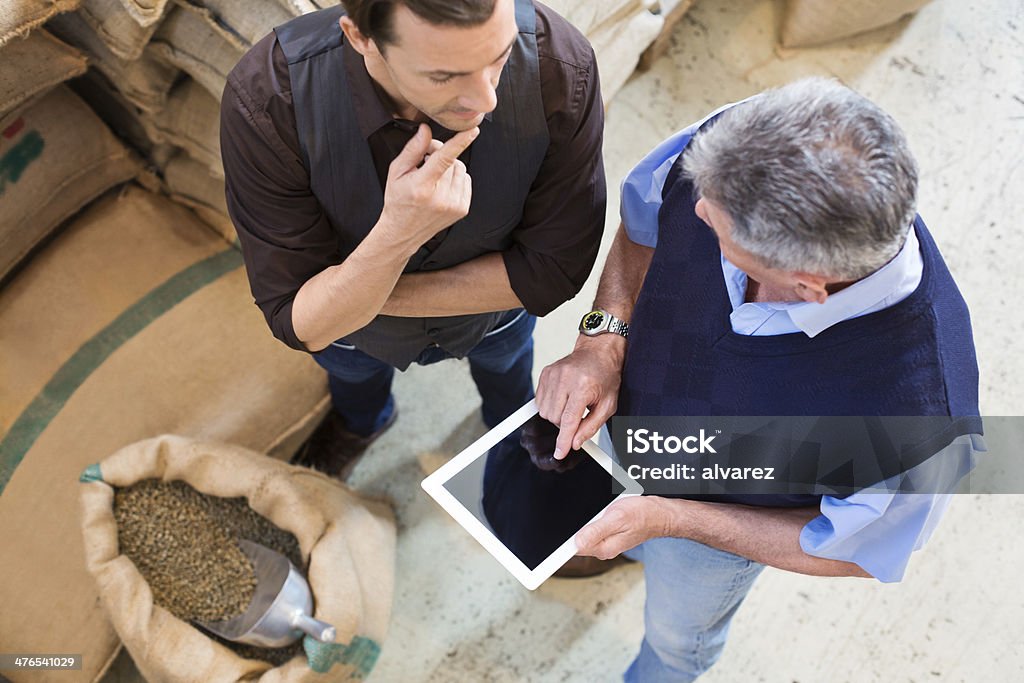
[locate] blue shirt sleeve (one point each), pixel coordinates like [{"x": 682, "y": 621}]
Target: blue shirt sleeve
[
  {"x": 641, "y": 189},
  {"x": 878, "y": 529}
]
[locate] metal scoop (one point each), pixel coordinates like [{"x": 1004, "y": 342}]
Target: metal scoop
[{"x": 281, "y": 606}]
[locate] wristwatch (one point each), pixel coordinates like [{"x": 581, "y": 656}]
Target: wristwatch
[{"x": 598, "y": 322}]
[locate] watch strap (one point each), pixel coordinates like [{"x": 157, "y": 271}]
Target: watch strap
[{"x": 619, "y": 327}]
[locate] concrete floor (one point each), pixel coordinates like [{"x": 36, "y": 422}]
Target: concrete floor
[{"x": 952, "y": 76}]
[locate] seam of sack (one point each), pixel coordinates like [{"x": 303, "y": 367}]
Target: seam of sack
[
  {"x": 114, "y": 157},
  {"x": 43, "y": 86},
  {"x": 36, "y": 20}
]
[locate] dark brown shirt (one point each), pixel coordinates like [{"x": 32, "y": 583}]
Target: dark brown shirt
[{"x": 286, "y": 238}]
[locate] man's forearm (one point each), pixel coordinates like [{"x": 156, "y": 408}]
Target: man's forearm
[
  {"x": 623, "y": 275},
  {"x": 346, "y": 297},
  {"x": 480, "y": 285},
  {"x": 617, "y": 292},
  {"x": 770, "y": 536},
  {"x": 370, "y": 282}
]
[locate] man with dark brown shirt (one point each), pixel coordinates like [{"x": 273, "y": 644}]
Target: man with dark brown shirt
[{"x": 414, "y": 180}]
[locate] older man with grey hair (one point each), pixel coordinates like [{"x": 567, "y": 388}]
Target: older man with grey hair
[{"x": 770, "y": 262}]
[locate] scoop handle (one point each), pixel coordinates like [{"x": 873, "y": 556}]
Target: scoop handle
[{"x": 320, "y": 630}]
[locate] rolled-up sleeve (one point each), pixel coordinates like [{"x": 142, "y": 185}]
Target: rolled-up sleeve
[
  {"x": 284, "y": 235},
  {"x": 556, "y": 244},
  {"x": 879, "y": 529}
]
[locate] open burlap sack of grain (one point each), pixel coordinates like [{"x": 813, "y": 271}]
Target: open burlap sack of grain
[
  {"x": 116, "y": 27},
  {"x": 21, "y": 16},
  {"x": 34, "y": 65},
  {"x": 187, "y": 41},
  {"x": 191, "y": 120},
  {"x": 55, "y": 156},
  {"x": 145, "y": 81},
  {"x": 348, "y": 544},
  {"x": 811, "y": 22},
  {"x": 136, "y": 320}
]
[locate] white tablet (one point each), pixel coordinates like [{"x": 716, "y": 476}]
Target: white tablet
[{"x": 517, "y": 507}]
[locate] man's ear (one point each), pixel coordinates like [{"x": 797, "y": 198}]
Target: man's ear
[
  {"x": 362, "y": 44},
  {"x": 811, "y": 287}
]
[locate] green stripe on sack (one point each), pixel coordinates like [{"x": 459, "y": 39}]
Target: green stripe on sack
[
  {"x": 90, "y": 474},
  {"x": 76, "y": 370},
  {"x": 361, "y": 654}
]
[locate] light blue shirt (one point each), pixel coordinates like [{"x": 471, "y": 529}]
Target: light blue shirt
[{"x": 876, "y": 528}]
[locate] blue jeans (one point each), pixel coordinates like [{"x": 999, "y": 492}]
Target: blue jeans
[
  {"x": 501, "y": 365},
  {"x": 693, "y": 591}
]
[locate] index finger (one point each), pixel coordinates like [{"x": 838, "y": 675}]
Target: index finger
[
  {"x": 567, "y": 426},
  {"x": 443, "y": 159}
]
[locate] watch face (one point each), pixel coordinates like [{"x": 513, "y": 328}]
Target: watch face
[{"x": 593, "y": 320}]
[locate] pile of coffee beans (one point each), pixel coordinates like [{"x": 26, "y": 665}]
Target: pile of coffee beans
[{"x": 185, "y": 545}]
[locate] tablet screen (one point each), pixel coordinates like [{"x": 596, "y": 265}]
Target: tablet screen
[{"x": 531, "y": 502}]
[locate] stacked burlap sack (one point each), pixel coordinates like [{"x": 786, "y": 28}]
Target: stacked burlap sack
[
  {"x": 162, "y": 67},
  {"x": 812, "y": 22},
  {"x": 347, "y": 545},
  {"x": 56, "y": 155},
  {"x": 619, "y": 30}
]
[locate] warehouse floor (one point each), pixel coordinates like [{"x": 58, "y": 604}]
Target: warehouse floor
[{"x": 949, "y": 76}]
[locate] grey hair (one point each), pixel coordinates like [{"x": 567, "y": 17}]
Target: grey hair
[{"x": 815, "y": 178}]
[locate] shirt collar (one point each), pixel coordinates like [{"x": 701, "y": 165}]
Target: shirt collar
[
  {"x": 880, "y": 289},
  {"x": 368, "y": 98}
]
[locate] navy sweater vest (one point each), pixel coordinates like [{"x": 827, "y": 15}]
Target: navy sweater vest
[{"x": 914, "y": 358}]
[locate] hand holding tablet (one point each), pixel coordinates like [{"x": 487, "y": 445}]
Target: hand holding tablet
[{"x": 523, "y": 506}]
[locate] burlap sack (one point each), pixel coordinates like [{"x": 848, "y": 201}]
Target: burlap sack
[
  {"x": 618, "y": 47},
  {"x": 145, "y": 81},
  {"x": 191, "y": 183},
  {"x": 145, "y": 12},
  {"x": 136, "y": 321},
  {"x": 19, "y": 17},
  {"x": 348, "y": 541},
  {"x": 191, "y": 120},
  {"x": 33, "y": 65},
  {"x": 187, "y": 41},
  {"x": 241, "y": 24},
  {"x": 299, "y": 6},
  {"x": 590, "y": 15},
  {"x": 672, "y": 12},
  {"x": 810, "y": 22},
  {"x": 120, "y": 115},
  {"x": 116, "y": 27},
  {"x": 55, "y": 155}
]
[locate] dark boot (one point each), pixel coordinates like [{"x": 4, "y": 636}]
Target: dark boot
[{"x": 333, "y": 449}]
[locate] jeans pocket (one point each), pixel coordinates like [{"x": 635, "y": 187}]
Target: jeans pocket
[{"x": 342, "y": 344}]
